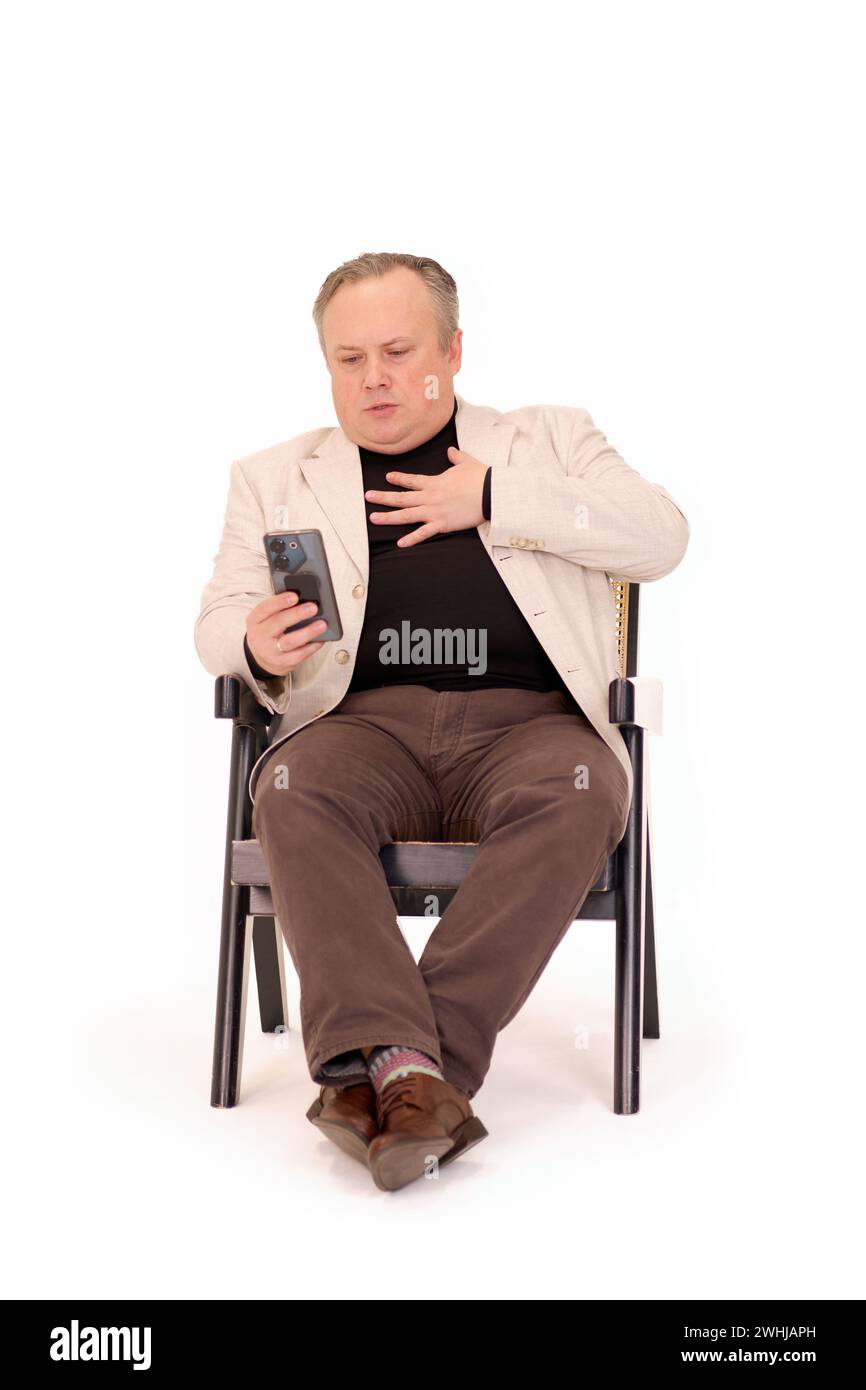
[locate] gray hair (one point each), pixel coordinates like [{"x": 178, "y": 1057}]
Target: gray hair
[{"x": 442, "y": 288}]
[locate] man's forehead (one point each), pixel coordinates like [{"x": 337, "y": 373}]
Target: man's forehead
[{"x": 388, "y": 342}]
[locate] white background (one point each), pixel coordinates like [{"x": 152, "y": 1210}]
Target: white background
[{"x": 652, "y": 211}]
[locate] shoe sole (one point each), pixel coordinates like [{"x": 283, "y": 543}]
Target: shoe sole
[
  {"x": 349, "y": 1140},
  {"x": 400, "y": 1164},
  {"x": 468, "y": 1135}
]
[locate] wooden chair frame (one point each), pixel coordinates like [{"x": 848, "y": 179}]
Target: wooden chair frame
[{"x": 623, "y": 892}]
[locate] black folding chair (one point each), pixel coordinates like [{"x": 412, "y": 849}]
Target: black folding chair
[{"x": 416, "y": 869}]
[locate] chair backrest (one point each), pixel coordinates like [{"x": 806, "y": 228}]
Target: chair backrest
[{"x": 626, "y": 602}]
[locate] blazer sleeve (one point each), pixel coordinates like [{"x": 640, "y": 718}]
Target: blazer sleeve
[
  {"x": 240, "y": 580},
  {"x": 600, "y": 513}
]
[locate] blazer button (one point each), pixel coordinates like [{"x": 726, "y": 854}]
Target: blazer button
[
  {"x": 342, "y": 656},
  {"x": 358, "y": 591}
]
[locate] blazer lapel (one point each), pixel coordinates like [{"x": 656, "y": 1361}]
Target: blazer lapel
[{"x": 334, "y": 473}]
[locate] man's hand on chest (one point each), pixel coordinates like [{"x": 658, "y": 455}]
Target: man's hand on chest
[{"x": 449, "y": 501}]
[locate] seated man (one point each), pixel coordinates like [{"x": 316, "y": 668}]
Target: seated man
[{"x": 471, "y": 553}]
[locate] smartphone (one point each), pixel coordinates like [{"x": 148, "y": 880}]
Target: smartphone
[{"x": 298, "y": 563}]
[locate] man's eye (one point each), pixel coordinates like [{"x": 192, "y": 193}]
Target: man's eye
[{"x": 395, "y": 352}]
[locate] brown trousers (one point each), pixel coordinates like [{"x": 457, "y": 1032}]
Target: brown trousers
[{"x": 521, "y": 772}]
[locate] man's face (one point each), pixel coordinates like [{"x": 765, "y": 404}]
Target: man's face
[{"x": 381, "y": 339}]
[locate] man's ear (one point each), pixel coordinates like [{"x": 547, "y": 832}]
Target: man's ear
[{"x": 455, "y": 352}]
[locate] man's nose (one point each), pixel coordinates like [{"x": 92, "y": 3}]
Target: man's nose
[{"x": 376, "y": 374}]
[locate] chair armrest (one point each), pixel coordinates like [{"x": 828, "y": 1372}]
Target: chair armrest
[
  {"x": 234, "y": 700},
  {"x": 636, "y": 700}
]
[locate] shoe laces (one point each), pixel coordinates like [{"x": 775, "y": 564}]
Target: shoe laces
[{"x": 399, "y": 1092}]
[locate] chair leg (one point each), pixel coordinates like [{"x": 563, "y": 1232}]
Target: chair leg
[
  {"x": 270, "y": 974},
  {"x": 234, "y": 934},
  {"x": 630, "y": 925},
  {"x": 231, "y": 1010},
  {"x": 650, "y": 979}
]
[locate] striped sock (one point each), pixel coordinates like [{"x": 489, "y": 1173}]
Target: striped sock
[{"x": 387, "y": 1063}]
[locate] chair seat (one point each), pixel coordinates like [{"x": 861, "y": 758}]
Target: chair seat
[{"x": 415, "y": 870}]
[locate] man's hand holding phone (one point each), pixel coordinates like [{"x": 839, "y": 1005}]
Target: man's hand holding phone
[{"x": 275, "y": 649}]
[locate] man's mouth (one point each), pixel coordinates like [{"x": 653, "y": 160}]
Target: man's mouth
[{"x": 381, "y": 409}]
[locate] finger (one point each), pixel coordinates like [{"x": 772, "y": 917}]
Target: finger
[
  {"x": 272, "y": 657},
  {"x": 264, "y": 612},
  {"x": 288, "y": 618},
  {"x": 288, "y": 660},
  {"x": 396, "y": 518},
  {"x": 407, "y": 479},
  {"x": 295, "y": 637},
  {"x": 401, "y": 516},
  {"x": 274, "y": 604},
  {"x": 373, "y": 496},
  {"x": 415, "y": 537}
]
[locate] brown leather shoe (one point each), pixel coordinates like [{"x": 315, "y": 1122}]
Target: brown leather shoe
[
  {"x": 348, "y": 1115},
  {"x": 420, "y": 1117}
]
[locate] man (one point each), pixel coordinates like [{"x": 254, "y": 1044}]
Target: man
[{"x": 471, "y": 553}]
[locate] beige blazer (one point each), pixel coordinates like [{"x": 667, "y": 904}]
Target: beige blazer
[{"x": 567, "y": 512}]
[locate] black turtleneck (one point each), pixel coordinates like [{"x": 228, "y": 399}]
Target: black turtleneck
[{"x": 445, "y": 582}]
